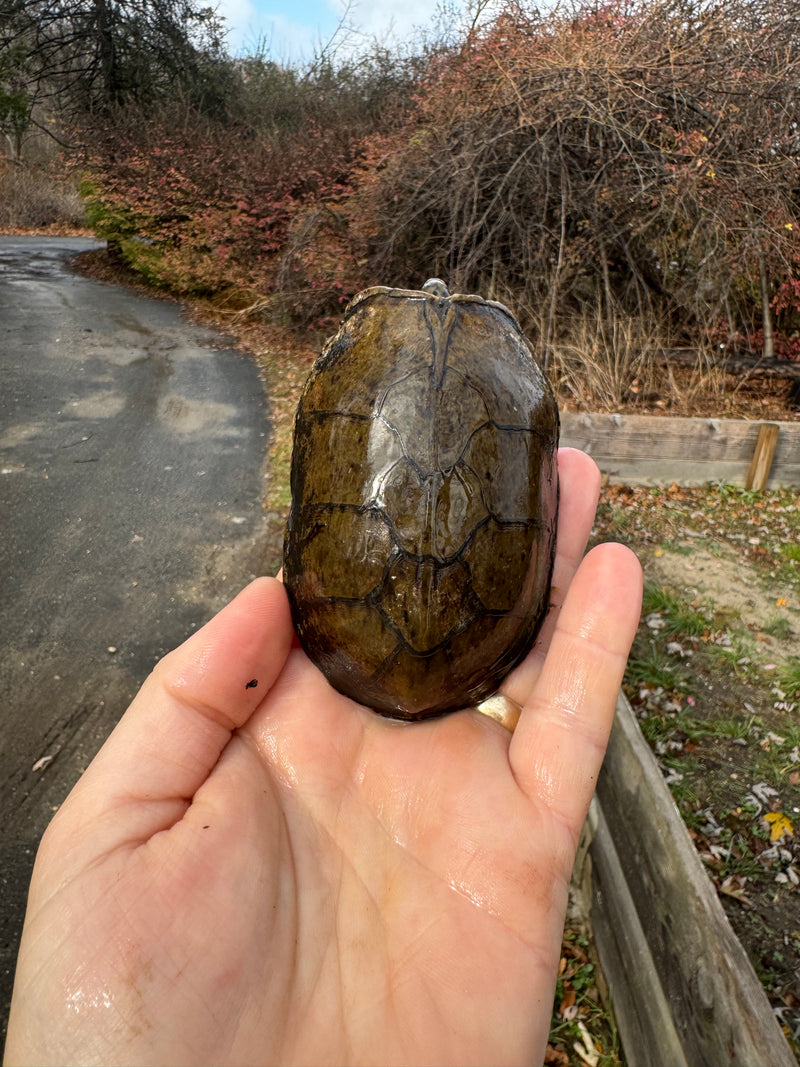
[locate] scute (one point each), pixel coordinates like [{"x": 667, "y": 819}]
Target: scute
[
  {"x": 360, "y": 570},
  {"x": 497, "y": 457},
  {"x": 434, "y": 420},
  {"x": 435, "y": 515},
  {"x": 426, "y": 602},
  {"x": 421, "y": 535},
  {"x": 497, "y": 557}
]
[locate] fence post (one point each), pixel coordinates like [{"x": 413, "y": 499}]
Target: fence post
[{"x": 761, "y": 463}]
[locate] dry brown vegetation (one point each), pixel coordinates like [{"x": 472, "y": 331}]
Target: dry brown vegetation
[
  {"x": 33, "y": 199},
  {"x": 624, "y": 175}
]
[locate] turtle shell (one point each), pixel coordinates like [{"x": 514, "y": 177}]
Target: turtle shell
[{"x": 421, "y": 536}]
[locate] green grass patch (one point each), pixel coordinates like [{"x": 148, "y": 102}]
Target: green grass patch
[
  {"x": 789, "y": 681},
  {"x": 730, "y": 728},
  {"x": 675, "y": 548},
  {"x": 576, "y": 990},
  {"x": 682, "y": 785},
  {"x": 790, "y": 552},
  {"x": 779, "y": 627},
  {"x": 679, "y": 616},
  {"x": 653, "y": 668}
]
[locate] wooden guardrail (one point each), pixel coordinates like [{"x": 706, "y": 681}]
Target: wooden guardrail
[
  {"x": 650, "y": 450},
  {"x": 683, "y": 991}
]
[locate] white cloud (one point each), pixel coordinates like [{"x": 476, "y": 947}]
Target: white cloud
[
  {"x": 296, "y": 29},
  {"x": 250, "y": 27},
  {"x": 395, "y": 17},
  {"x": 398, "y": 21},
  {"x": 237, "y": 14}
]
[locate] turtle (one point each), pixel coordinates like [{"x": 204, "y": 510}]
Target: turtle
[{"x": 420, "y": 541}]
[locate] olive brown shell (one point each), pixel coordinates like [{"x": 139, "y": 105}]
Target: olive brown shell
[{"x": 421, "y": 537}]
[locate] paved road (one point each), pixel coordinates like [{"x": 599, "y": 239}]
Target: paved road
[{"x": 132, "y": 451}]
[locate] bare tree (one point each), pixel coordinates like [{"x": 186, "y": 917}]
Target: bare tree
[
  {"x": 638, "y": 154},
  {"x": 91, "y": 55}
]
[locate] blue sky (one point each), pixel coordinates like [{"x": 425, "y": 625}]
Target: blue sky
[{"x": 294, "y": 28}]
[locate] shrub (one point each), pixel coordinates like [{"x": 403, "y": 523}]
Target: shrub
[
  {"x": 31, "y": 199},
  {"x": 600, "y": 168}
]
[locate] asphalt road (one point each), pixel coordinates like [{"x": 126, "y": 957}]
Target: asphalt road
[{"x": 132, "y": 451}]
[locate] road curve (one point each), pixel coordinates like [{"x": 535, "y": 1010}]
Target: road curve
[{"x": 132, "y": 449}]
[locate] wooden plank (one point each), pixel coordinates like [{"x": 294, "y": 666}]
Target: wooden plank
[
  {"x": 644, "y": 863},
  {"x": 649, "y": 1037},
  {"x": 761, "y": 463},
  {"x": 649, "y": 450}
]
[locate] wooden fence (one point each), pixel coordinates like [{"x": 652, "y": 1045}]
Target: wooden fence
[
  {"x": 683, "y": 991},
  {"x": 649, "y": 450}
]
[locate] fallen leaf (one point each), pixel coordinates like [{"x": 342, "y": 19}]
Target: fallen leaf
[
  {"x": 586, "y": 1048},
  {"x": 733, "y": 886},
  {"x": 772, "y": 739},
  {"x": 779, "y": 825},
  {"x": 567, "y": 1001},
  {"x": 555, "y": 1057},
  {"x": 761, "y": 795}
]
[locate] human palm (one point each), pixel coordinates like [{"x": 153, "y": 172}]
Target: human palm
[{"x": 271, "y": 873}]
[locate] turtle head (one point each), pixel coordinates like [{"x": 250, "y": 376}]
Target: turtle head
[{"x": 436, "y": 287}]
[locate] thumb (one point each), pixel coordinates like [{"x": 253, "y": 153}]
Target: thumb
[{"x": 171, "y": 737}]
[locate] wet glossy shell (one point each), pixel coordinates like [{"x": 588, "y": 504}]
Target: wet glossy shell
[{"x": 424, "y": 496}]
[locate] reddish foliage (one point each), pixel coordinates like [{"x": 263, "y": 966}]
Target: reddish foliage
[
  {"x": 606, "y": 158},
  {"x": 226, "y": 217}
]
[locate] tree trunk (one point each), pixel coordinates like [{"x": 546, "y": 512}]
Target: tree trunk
[
  {"x": 107, "y": 52},
  {"x": 766, "y": 311}
]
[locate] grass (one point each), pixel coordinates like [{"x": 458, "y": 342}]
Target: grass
[
  {"x": 681, "y": 785},
  {"x": 735, "y": 656},
  {"x": 789, "y": 681},
  {"x": 679, "y": 617},
  {"x": 653, "y": 667},
  {"x": 577, "y": 1006},
  {"x": 779, "y": 627},
  {"x": 733, "y": 729},
  {"x": 678, "y": 550},
  {"x": 714, "y": 679}
]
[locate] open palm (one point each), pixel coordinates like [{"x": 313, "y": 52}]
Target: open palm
[{"x": 272, "y": 873}]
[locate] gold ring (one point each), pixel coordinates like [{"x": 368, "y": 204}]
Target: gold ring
[{"x": 502, "y": 709}]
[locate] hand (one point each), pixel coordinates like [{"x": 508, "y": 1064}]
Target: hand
[{"x": 272, "y": 873}]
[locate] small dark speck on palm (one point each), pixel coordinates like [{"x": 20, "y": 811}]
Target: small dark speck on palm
[{"x": 252, "y": 683}]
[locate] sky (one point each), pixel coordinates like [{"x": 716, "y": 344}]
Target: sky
[{"x": 294, "y": 29}]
